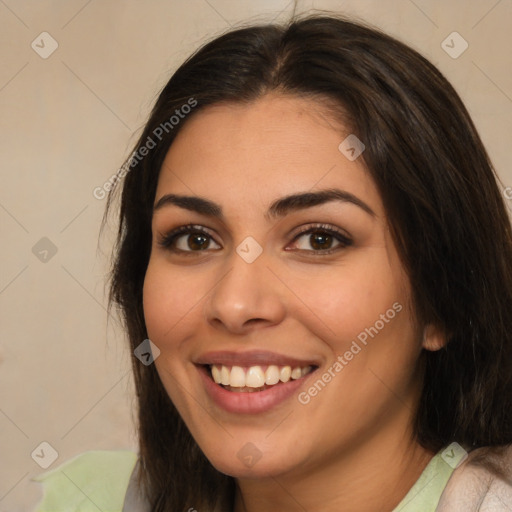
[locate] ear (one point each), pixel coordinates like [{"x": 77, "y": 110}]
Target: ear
[{"x": 434, "y": 338}]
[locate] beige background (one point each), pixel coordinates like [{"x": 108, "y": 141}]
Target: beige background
[{"x": 66, "y": 124}]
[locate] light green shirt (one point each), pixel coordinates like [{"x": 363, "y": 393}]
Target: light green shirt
[
  {"x": 97, "y": 481},
  {"x": 94, "y": 481}
]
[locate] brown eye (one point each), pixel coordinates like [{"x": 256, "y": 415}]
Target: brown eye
[
  {"x": 316, "y": 240},
  {"x": 188, "y": 239},
  {"x": 197, "y": 242},
  {"x": 321, "y": 239}
]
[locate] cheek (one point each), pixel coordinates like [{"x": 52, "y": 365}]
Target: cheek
[
  {"x": 373, "y": 348},
  {"x": 168, "y": 299},
  {"x": 351, "y": 298}
]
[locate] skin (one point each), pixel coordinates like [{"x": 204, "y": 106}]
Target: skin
[{"x": 351, "y": 447}]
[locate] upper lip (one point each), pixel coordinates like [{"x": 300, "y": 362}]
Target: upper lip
[{"x": 253, "y": 358}]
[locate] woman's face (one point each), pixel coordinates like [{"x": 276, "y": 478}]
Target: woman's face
[{"x": 288, "y": 285}]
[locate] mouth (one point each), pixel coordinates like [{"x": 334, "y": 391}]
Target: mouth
[{"x": 252, "y": 382}]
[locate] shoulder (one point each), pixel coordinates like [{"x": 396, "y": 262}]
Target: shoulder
[
  {"x": 474, "y": 485},
  {"x": 93, "y": 480}
]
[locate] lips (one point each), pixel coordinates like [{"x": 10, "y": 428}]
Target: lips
[{"x": 252, "y": 382}]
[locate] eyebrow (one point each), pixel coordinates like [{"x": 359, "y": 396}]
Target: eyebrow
[{"x": 279, "y": 208}]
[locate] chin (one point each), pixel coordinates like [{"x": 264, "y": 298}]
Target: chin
[{"x": 249, "y": 462}]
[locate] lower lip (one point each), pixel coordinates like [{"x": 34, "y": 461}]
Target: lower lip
[{"x": 250, "y": 403}]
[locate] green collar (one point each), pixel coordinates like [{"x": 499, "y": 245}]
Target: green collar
[{"x": 424, "y": 495}]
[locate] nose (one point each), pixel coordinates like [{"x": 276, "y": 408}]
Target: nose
[{"x": 247, "y": 296}]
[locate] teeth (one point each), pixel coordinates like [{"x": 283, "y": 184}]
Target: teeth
[
  {"x": 306, "y": 370},
  {"x": 272, "y": 375},
  {"x": 285, "y": 373},
  {"x": 216, "y": 374},
  {"x": 225, "y": 376},
  {"x": 254, "y": 376},
  {"x": 237, "y": 379},
  {"x": 296, "y": 373}
]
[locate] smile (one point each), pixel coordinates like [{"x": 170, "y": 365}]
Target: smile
[{"x": 253, "y": 382}]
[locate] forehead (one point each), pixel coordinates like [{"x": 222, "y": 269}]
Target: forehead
[{"x": 251, "y": 153}]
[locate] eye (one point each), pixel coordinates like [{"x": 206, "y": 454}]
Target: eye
[
  {"x": 189, "y": 238},
  {"x": 321, "y": 239}
]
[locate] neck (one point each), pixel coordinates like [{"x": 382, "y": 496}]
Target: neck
[{"x": 374, "y": 476}]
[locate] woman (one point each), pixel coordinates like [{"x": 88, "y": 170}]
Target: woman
[{"x": 313, "y": 239}]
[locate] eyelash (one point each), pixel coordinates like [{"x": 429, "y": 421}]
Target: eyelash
[{"x": 166, "y": 241}]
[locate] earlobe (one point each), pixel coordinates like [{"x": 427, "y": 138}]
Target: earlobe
[{"x": 434, "y": 338}]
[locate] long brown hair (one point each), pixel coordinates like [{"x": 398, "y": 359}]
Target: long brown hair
[{"x": 445, "y": 210}]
